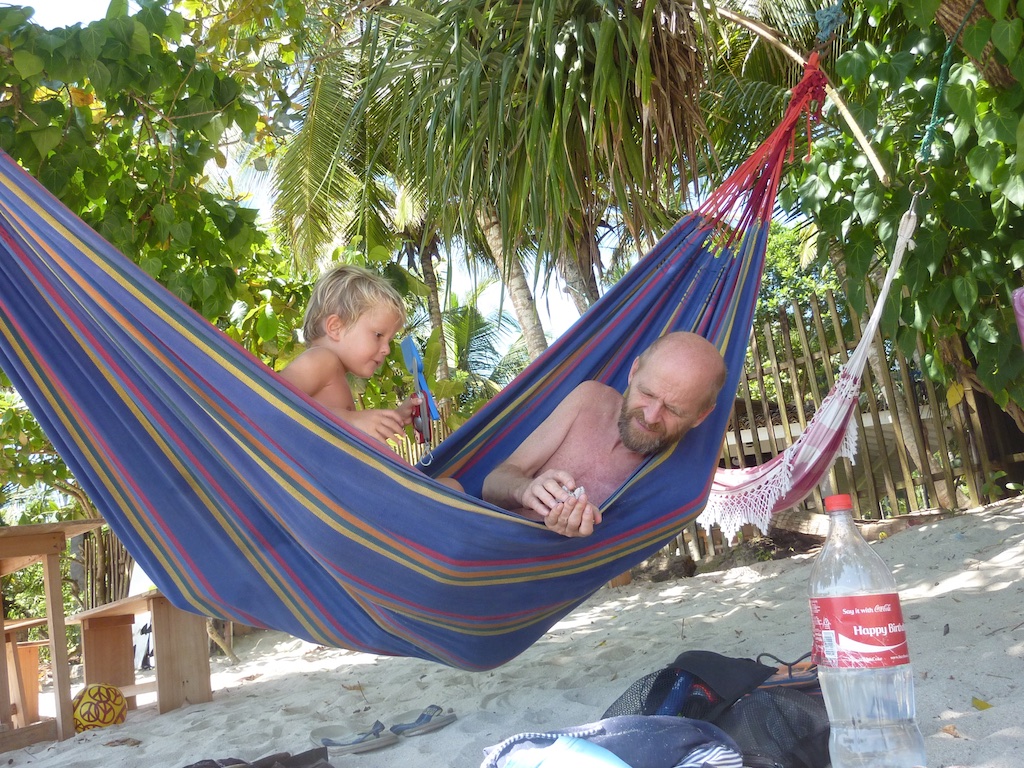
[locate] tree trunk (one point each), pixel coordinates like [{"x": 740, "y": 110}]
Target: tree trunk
[
  {"x": 427, "y": 254},
  {"x": 911, "y": 449},
  {"x": 579, "y": 271},
  {"x": 514, "y": 277},
  {"x": 218, "y": 638},
  {"x": 951, "y": 15},
  {"x": 951, "y": 352}
]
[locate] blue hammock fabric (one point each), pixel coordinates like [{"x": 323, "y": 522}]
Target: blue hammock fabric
[{"x": 244, "y": 500}]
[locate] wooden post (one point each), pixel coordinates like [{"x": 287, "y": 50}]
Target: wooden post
[{"x": 58, "y": 647}]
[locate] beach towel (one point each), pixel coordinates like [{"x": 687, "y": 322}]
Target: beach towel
[{"x": 637, "y": 741}]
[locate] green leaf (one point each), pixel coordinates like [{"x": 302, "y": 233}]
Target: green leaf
[
  {"x": 140, "y": 44},
  {"x": 182, "y": 232},
  {"x": 153, "y": 17},
  {"x": 983, "y": 160},
  {"x": 116, "y": 9},
  {"x": 997, "y": 8},
  {"x": 1006, "y": 37},
  {"x": 175, "y": 26},
  {"x": 46, "y": 139},
  {"x": 814, "y": 189},
  {"x": 207, "y": 286},
  {"x": 1013, "y": 189},
  {"x": 92, "y": 40},
  {"x": 976, "y": 36},
  {"x": 27, "y": 64},
  {"x": 904, "y": 63},
  {"x": 921, "y": 12},
  {"x": 982, "y": 334},
  {"x": 998, "y": 126},
  {"x": 1018, "y": 164},
  {"x": 1017, "y": 255},
  {"x": 859, "y": 252},
  {"x": 99, "y": 75},
  {"x": 963, "y": 100},
  {"x": 163, "y": 214},
  {"x": 969, "y": 213},
  {"x": 246, "y": 117},
  {"x": 267, "y": 324},
  {"x": 867, "y": 201},
  {"x": 1017, "y": 66},
  {"x": 885, "y": 74},
  {"x": 965, "y": 288},
  {"x": 152, "y": 266},
  {"x": 853, "y": 66},
  {"x": 915, "y": 274},
  {"x": 95, "y": 185},
  {"x": 939, "y": 300}
]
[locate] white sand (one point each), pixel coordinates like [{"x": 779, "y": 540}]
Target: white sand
[{"x": 962, "y": 590}]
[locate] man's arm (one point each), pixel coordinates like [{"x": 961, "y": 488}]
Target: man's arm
[{"x": 519, "y": 484}]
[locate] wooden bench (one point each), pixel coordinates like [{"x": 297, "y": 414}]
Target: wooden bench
[{"x": 181, "y": 648}]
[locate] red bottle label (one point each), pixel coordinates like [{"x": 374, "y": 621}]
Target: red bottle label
[{"x": 859, "y": 631}]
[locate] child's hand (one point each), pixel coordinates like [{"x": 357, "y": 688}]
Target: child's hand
[
  {"x": 379, "y": 423},
  {"x": 406, "y": 408}
]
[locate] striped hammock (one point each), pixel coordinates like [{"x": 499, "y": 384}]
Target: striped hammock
[{"x": 244, "y": 500}]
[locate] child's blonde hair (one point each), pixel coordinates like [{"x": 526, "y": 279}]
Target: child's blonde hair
[{"x": 348, "y": 291}]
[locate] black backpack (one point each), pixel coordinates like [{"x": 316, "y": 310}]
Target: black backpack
[{"x": 774, "y": 713}]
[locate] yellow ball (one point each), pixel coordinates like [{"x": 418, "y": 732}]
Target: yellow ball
[{"x": 97, "y": 706}]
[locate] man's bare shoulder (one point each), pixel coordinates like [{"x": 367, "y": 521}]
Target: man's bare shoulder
[
  {"x": 593, "y": 388},
  {"x": 590, "y": 394}
]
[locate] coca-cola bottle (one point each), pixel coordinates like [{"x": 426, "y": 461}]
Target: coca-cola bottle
[{"x": 860, "y": 647}]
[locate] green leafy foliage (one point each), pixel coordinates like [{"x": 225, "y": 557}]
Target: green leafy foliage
[
  {"x": 122, "y": 120},
  {"x": 956, "y": 283}
]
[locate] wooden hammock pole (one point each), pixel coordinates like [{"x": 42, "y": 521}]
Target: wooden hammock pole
[{"x": 770, "y": 35}]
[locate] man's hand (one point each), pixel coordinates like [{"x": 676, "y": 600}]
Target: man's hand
[
  {"x": 573, "y": 517},
  {"x": 544, "y": 492},
  {"x": 551, "y": 495}
]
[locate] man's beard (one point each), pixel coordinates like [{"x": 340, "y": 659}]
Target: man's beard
[{"x": 641, "y": 441}]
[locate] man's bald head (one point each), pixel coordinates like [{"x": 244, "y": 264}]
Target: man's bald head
[
  {"x": 693, "y": 357},
  {"x": 673, "y": 386}
]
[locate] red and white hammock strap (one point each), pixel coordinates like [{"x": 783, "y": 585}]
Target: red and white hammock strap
[{"x": 753, "y": 495}]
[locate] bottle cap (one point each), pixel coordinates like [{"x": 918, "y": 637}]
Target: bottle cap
[{"x": 838, "y": 502}]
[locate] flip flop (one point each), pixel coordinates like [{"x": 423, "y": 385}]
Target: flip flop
[
  {"x": 430, "y": 719},
  {"x": 342, "y": 742},
  {"x": 801, "y": 673}
]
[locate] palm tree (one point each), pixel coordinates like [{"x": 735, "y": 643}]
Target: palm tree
[
  {"x": 487, "y": 350},
  {"x": 337, "y": 178},
  {"x": 530, "y": 119},
  {"x": 484, "y": 361},
  {"x": 526, "y": 127}
]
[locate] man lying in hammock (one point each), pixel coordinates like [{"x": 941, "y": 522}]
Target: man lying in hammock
[{"x": 596, "y": 437}]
